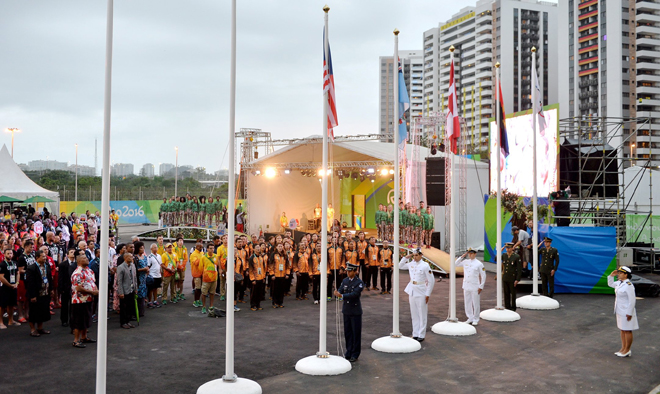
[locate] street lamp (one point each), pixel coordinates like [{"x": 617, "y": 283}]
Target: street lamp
[
  {"x": 12, "y": 130},
  {"x": 176, "y": 172},
  {"x": 76, "y": 194},
  {"x": 632, "y": 146}
]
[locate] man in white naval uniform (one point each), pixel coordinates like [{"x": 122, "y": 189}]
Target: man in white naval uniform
[
  {"x": 474, "y": 279},
  {"x": 419, "y": 290}
]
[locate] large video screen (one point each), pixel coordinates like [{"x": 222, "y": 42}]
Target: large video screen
[{"x": 517, "y": 171}]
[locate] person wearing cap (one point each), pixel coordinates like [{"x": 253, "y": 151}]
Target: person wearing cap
[
  {"x": 350, "y": 290},
  {"x": 419, "y": 291},
  {"x": 511, "y": 273},
  {"x": 624, "y": 308},
  {"x": 169, "y": 272},
  {"x": 548, "y": 267},
  {"x": 520, "y": 240},
  {"x": 474, "y": 279}
]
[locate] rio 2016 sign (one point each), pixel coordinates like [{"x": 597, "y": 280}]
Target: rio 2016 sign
[{"x": 129, "y": 212}]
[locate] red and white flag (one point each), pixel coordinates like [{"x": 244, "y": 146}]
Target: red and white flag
[
  {"x": 453, "y": 127},
  {"x": 329, "y": 87}
]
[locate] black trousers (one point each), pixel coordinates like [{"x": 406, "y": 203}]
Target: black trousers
[
  {"x": 316, "y": 287},
  {"x": 237, "y": 289},
  {"x": 365, "y": 272},
  {"x": 373, "y": 274},
  {"x": 257, "y": 293},
  {"x": 126, "y": 308},
  {"x": 302, "y": 281},
  {"x": 278, "y": 292},
  {"x": 509, "y": 291},
  {"x": 385, "y": 279},
  {"x": 548, "y": 284},
  {"x": 331, "y": 279},
  {"x": 353, "y": 335},
  {"x": 65, "y": 311}
]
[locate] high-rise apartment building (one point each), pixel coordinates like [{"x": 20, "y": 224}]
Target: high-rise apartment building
[
  {"x": 122, "y": 169},
  {"x": 612, "y": 63},
  {"x": 492, "y": 31},
  {"x": 148, "y": 170},
  {"x": 164, "y": 168},
  {"x": 44, "y": 165},
  {"x": 412, "y": 69}
]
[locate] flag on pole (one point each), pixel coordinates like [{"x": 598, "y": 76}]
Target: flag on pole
[
  {"x": 453, "y": 127},
  {"x": 329, "y": 87},
  {"x": 504, "y": 141},
  {"x": 538, "y": 103},
  {"x": 404, "y": 105}
]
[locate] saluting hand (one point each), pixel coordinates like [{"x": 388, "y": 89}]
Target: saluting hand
[
  {"x": 427, "y": 299},
  {"x": 552, "y": 273}
]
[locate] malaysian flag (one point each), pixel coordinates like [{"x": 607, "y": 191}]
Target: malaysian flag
[
  {"x": 404, "y": 105},
  {"x": 503, "y": 140},
  {"x": 329, "y": 87},
  {"x": 453, "y": 126}
]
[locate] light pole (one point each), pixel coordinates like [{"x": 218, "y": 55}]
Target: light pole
[
  {"x": 176, "y": 172},
  {"x": 12, "y": 130},
  {"x": 76, "y": 193},
  {"x": 632, "y": 154}
]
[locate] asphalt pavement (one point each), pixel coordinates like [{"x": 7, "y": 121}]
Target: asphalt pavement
[{"x": 175, "y": 349}]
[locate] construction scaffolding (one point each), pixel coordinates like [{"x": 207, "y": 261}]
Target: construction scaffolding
[{"x": 592, "y": 159}]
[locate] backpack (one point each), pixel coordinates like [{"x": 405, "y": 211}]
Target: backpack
[{"x": 213, "y": 312}]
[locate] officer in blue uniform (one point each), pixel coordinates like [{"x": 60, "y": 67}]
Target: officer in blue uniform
[{"x": 350, "y": 290}]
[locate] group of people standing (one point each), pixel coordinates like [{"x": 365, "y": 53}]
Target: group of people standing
[
  {"x": 415, "y": 224},
  {"x": 194, "y": 211}
]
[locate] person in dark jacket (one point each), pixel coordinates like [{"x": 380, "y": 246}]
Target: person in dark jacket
[
  {"x": 39, "y": 290},
  {"x": 350, "y": 290},
  {"x": 65, "y": 270}
]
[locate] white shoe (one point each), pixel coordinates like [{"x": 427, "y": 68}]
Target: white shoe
[
  {"x": 625, "y": 354},
  {"x": 617, "y": 354},
  {"x": 468, "y": 321},
  {"x": 474, "y": 323}
]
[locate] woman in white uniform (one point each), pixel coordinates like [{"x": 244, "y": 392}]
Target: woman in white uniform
[{"x": 624, "y": 308}]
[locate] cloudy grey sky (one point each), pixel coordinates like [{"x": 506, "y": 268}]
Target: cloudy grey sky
[{"x": 171, "y": 72}]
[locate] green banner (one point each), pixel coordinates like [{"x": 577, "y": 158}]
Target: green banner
[{"x": 638, "y": 229}]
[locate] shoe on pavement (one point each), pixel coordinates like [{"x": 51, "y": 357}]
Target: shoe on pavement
[
  {"x": 236, "y": 309},
  {"x": 204, "y": 311},
  {"x": 420, "y": 339},
  {"x": 316, "y": 302},
  {"x": 475, "y": 323},
  {"x": 222, "y": 298}
]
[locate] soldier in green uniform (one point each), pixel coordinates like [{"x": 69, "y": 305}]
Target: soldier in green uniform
[
  {"x": 549, "y": 265},
  {"x": 218, "y": 211},
  {"x": 377, "y": 220},
  {"x": 174, "y": 211},
  {"x": 194, "y": 206},
  {"x": 418, "y": 226},
  {"x": 181, "y": 210},
  {"x": 511, "y": 273},
  {"x": 390, "y": 223},
  {"x": 202, "y": 211}
]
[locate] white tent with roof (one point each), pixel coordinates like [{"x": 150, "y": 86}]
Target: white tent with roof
[
  {"x": 14, "y": 183},
  {"x": 297, "y": 195}
]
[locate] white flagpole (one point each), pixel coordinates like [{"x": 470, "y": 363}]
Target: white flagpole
[
  {"x": 452, "y": 326},
  {"x": 230, "y": 383},
  {"x": 324, "y": 203},
  {"x": 395, "y": 342},
  {"x": 534, "y": 300},
  {"x": 322, "y": 363},
  {"x": 230, "y": 376},
  {"x": 535, "y": 237},
  {"x": 498, "y": 148},
  {"x": 397, "y": 191},
  {"x": 102, "y": 335},
  {"x": 452, "y": 219}
]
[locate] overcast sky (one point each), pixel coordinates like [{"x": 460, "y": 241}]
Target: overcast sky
[{"x": 171, "y": 72}]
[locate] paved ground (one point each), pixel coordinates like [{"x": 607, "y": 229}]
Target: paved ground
[{"x": 176, "y": 349}]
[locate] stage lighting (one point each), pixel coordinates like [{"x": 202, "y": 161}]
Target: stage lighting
[
  {"x": 257, "y": 172},
  {"x": 371, "y": 170},
  {"x": 321, "y": 172},
  {"x": 391, "y": 172},
  {"x": 270, "y": 172},
  {"x": 287, "y": 171},
  {"x": 372, "y": 180},
  {"x": 329, "y": 172},
  {"x": 383, "y": 171}
]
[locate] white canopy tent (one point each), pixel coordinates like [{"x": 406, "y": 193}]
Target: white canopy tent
[
  {"x": 14, "y": 183},
  {"x": 297, "y": 195}
]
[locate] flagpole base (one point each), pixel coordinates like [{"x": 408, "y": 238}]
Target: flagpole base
[
  {"x": 499, "y": 315},
  {"x": 323, "y": 366},
  {"x": 238, "y": 386},
  {"x": 537, "y": 302},
  {"x": 453, "y": 328},
  {"x": 396, "y": 344}
]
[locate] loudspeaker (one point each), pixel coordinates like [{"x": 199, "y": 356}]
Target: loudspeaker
[
  {"x": 435, "y": 239},
  {"x": 435, "y": 181}
]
